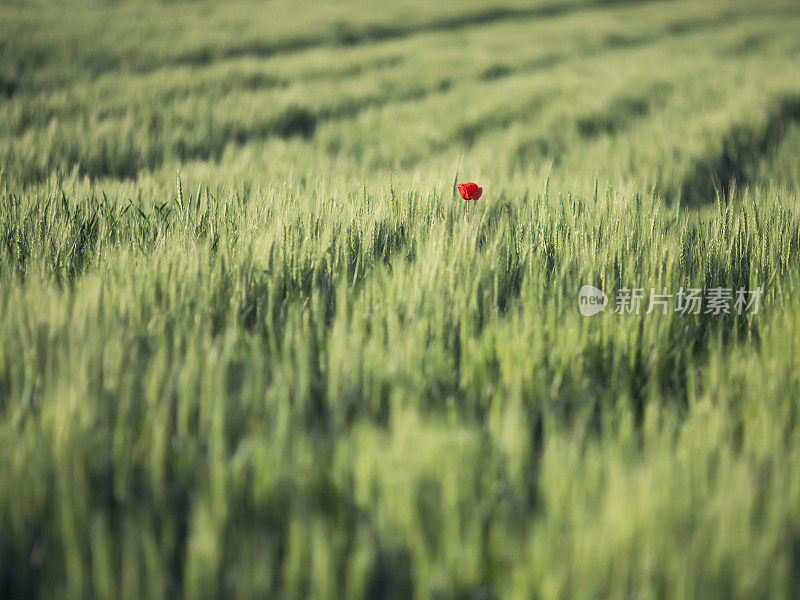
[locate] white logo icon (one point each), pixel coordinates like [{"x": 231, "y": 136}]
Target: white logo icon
[{"x": 591, "y": 300}]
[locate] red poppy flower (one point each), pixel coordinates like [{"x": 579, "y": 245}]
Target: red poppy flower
[{"x": 470, "y": 191}]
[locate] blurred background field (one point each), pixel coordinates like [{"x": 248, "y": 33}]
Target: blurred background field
[{"x": 253, "y": 344}]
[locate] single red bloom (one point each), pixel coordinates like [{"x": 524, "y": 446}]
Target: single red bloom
[{"x": 470, "y": 191}]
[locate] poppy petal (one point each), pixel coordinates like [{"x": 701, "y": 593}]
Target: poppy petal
[{"x": 470, "y": 190}]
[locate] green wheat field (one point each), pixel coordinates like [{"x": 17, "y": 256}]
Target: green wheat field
[{"x": 253, "y": 344}]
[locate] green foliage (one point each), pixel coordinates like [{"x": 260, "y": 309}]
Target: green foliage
[{"x": 254, "y": 345}]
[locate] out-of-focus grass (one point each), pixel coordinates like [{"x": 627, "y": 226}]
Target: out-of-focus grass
[{"x": 308, "y": 371}]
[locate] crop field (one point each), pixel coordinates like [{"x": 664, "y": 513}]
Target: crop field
[{"x": 254, "y": 344}]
